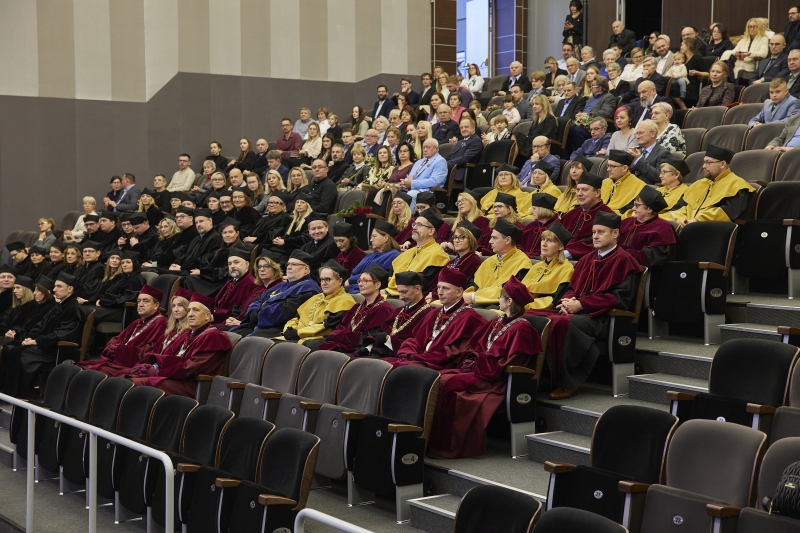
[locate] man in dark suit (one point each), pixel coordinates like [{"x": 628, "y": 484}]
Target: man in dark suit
[
  {"x": 446, "y": 128},
  {"x": 640, "y": 107},
  {"x": 515, "y": 78},
  {"x": 571, "y": 104},
  {"x": 260, "y": 163},
  {"x": 383, "y": 105},
  {"x": 791, "y": 32},
  {"x": 427, "y": 89},
  {"x": 649, "y": 155},
  {"x": 622, "y": 36},
  {"x": 776, "y": 62},
  {"x": 588, "y": 59},
  {"x": 468, "y": 150},
  {"x": 648, "y": 74},
  {"x": 691, "y": 33},
  {"x": 129, "y": 199},
  {"x": 792, "y": 73},
  {"x": 405, "y": 86}
]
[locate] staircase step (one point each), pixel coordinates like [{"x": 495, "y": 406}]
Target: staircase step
[
  {"x": 749, "y": 331},
  {"x": 653, "y": 387},
  {"x": 559, "y": 446},
  {"x": 674, "y": 355},
  {"x": 767, "y": 309},
  {"x": 434, "y": 514}
]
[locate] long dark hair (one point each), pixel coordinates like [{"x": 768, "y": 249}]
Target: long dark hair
[
  {"x": 722, "y": 29},
  {"x": 358, "y": 121}
]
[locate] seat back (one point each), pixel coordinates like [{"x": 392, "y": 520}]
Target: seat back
[
  {"x": 397, "y": 304},
  {"x": 499, "y": 152},
  {"x": 149, "y": 277},
  {"x": 166, "y": 283},
  {"x": 68, "y": 221},
  {"x": 81, "y": 392},
  {"x": 753, "y": 370},
  {"x": 319, "y": 375},
  {"x": 522, "y": 128},
  {"x": 136, "y": 411},
  {"x": 754, "y": 94},
  {"x": 779, "y": 455},
  {"x": 695, "y": 162},
  {"x": 705, "y": 117},
  {"x": 446, "y": 149},
  {"x": 282, "y": 365},
  {"x": 707, "y": 242},
  {"x": 169, "y": 421},
  {"x": 758, "y": 138},
  {"x": 350, "y": 198},
  {"x": 632, "y": 441},
  {"x": 715, "y": 459},
  {"x": 693, "y": 138},
  {"x": 730, "y": 137},
  {"x": 787, "y": 166},
  {"x": 741, "y": 114},
  {"x": 757, "y": 165},
  {"x": 252, "y": 405},
  {"x": 248, "y": 358},
  {"x": 493, "y": 508},
  {"x": 288, "y": 463},
  {"x": 563, "y": 519},
  {"x": 241, "y": 447},
  {"x": 58, "y": 383},
  {"x": 106, "y": 402},
  {"x": 361, "y": 383},
  {"x": 542, "y": 326},
  {"x": 204, "y": 427},
  {"x": 409, "y": 396},
  {"x": 495, "y": 84}
]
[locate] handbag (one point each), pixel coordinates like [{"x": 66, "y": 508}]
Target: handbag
[{"x": 786, "y": 501}]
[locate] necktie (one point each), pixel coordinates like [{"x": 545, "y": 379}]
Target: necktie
[
  {"x": 791, "y": 81},
  {"x": 774, "y": 108}
]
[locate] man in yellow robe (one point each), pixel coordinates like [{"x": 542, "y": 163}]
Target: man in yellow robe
[
  {"x": 427, "y": 257},
  {"x": 621, "y": 187},
  {"x": 721, "y": 196}
]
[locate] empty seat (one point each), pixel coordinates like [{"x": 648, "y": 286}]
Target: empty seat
[
  {"x": 245, "y": 367},
  {"x": 786, "y": 421},
  {"x": 759, "y": 137},
  {"x": 730, "y": 137},
  {"x": 754, "y": 94},
  {"x": 494, "y": 155},
  {"x": 705, "y": 117},
  {"x": 695, "y": 162},
  {"x": 788, "y": 164},
  {"x": 755, "y": 165},
  {"x": 693, "y": 138},
  {"x": 565, "y": 519},
  {"x": 741, "y": 114},
  {"x": 493, "y": 508},
  {"x": 279, "y": 373}
]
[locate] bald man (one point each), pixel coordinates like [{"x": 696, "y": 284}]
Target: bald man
[
  {"x": 429, "y": 171},
  {"x": 647, "y": 97},
  {"x": 260, "y": 164}
]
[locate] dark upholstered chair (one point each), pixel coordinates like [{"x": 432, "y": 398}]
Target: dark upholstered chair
[
  {"x": 279, "y": 374},
  {"x": 564, "y": 519},
  {"x": 758, "y": 138},
  {"x": 787, "y": 166},
  {"x": 694, "y": 139},
  {"x": 493, "y": 508},
  {"x": 695, "y": 162},
  {"x": 730, "y": 137},
  {"x": 245, "y": 367},
  {"x": 754, "y": 94},
  {"x": 494, "y": 155},
  {"x": 629, "y": 443},
  {"x": 741, "y": 114},
  {"x": 705, "y": 117},
  {"x": 755, "y": 165}
]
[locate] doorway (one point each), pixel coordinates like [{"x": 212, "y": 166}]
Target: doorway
[{"x": 643, "y": 17}]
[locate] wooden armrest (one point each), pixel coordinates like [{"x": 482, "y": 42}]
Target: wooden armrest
[
  {"x": 679, "y": 396},
  {"x": 493, "y": 164},
  {"x": 374, "y": 216},
  {"x": 721, "y": 511},
  {"x": 621, "y": 313},
  {"x": 269, "y": 499},
  {"x": 130, "y": 304},
  {"x": 632, "y": 487},
  {"x": 469, "y": 165},
  {"x": 791, "y": 222},
  {"x": 226, "y": 483},
  {"x": 788, "y": 330},
  {"x": 711, "y": 266},
  {"x": 271, "y": 395},
  {"x": 310, "y": 406},
  {"x": 235, "y": 385},
  {"x": 761, "y": 183},
  {"x": 512, "y": 369},
  {"x": 187, "y": 468},
  {"x": 205, "y": 377},
  {"x": 758, "y": 409},
  {"x": 438, "y": 189},
  {"x": 347, "y": 415},
  {"x": 404, "y": 428},
  {"x": 65, "y": 344},
  {"x": 557, "y": 467}
]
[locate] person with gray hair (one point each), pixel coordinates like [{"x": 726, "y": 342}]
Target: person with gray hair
[
  {"x": 429, "y": 171},
  {"x": 609, "y": 57},
  {"x": 622, "y": 36},
  {"x": 669, "y": 135},
  {"x": 574, "y": 72},
  {"x": 649, "y": 155},
  {"x": 515, "y": 77},
  {"x": 587, "y": 58},
  {"x": 598, "y": 141},
  {"x": 648, "y": 74}
]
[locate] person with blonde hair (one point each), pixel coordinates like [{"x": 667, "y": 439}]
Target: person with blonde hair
[
  {"x": 553, "y": 271},
  {"x": 504, "y": 208},
  {"x": 468, "y": 211},
  {"x": 669, "y": 135},
  {"x": 753, "y": 47},
  {"x": 312, "y": 146},
  {"x": 400, "y": 213},
  {"x": 79, "y": 230},
  {"x": 506, "y": 182},
  {"x": 424, "y": 132},
  {"x": 178, "y": 320}
]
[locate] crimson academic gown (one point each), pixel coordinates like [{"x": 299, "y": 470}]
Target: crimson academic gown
[
  {"x": 649, "y": 243},
  {"x": 467, "y": 264},
  {"x": 579, "y": 223},
  {"x": 398, "y": 327},
  {"x": 193, "y": 353},
  {"x": 129, "y": 347},
  {"x": 351, "y": 258},
  {"x": 470, "y": 394},
  {"x": 442, "y": 351},
  {"x": 360, "y": 320},
  {"x": 600, "y": 284},
  {"x": 260, "y": 289},
  {"x": 531, "y": 240},
  {"x": 485, "y": 246},
  {"x": 232, "y": 298},
  {"x": 481, "y": 222}
]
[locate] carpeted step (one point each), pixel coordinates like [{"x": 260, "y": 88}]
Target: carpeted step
[
  {"x": 653, "y": 387},
  {"x": 678, "y": 356},
  {"x": 559, "y": 446},
  {"x": 434, "y": 514},
  {"x": 749, "y": 331}
]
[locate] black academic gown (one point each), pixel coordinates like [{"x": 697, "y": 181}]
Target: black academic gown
[
  {"x": 90, "y": 280},
  {"x": 198, "y": 252},
  {"x": 110, "y": 241},
  {"x": 213, "y": 274},
  {"x": 321, "y": 251},
  {"x": 123, "y": 288},
  {"x": 167, "y": 251},
  {"x": 147, "y": 242},
  {"x": 24, "y": 267},
  {"x": 269, "y": 227}
]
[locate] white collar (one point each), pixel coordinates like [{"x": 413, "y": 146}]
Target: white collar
[{"x": 603, "y": 254}]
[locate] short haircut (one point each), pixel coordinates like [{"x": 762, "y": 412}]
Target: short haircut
[
  {"x": 187, "y": 156},
  {"x": 613, "y": 66},
  {"x": 648, "y": 125},
  {"x": 476, "y": 103},
  {"x": 588, "y": 49},
  {"x": 89, "y": 199},
  {"x": 217, "y": 143},
  {"x": 601, "y": 121},
  {"x": 338, "y": 145},
  {"x": 776, "y": 83},
  {"x": 538, "y": 76},
  {"x": 405, "y": 78},
  {"x": 602, "y": 82},
  {"x": 452, "y": 79},
  {"x": 568, "y": 44},
  {"x": 508, "y": 98},
  {"x": 574, "y": 85},
  {"x": 384, "y": 87},
  {"x": 428, "y": 74},
  {"x": 649, "y": 59},
  {"x": 274, "y": 154},
  {"x": 305, "y": 109},
  {"x": 499, "y": 118},
  {"x": 130, "y": 177},
  {"x": 466, "y": 116},
  {"x": 609, "y": 52},
  {"x": 286, "y": 120}
]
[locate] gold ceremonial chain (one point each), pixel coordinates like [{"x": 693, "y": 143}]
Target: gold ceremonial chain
[
  {"x": 396, "y": 330},
  {"x": 168, "y": 341},
  {"x": 364, "y": 309},
  {"x": 184, "y": 346},
  {"x": 314, "y": 308},
  {"x": 436, "y": 329},
  {"x": 141, "y": 329},
  {"x": 490, "y": 340}
]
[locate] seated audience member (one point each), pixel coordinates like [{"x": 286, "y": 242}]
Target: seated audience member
[
  {"x": 571, "y": 104},
  {"x": 645, "y": 236},
  {"x": 574, "y": 73},
  {"x": 444, "y": 333},
  {"x": 540, "y": 180},
  {"x": 167, "y": 229},
  {"x": 337, "y": 164},
  {"x": 274, "y": 222},
  {"x": 470, "y": 393},
  {"x": 312, "y": 146},
  {"x": 245, "y": 159},
  {"x": 127, "y": 349},
  {"x": 384, "y": 250},
  {"x": 540, "y": 151},
  {"x": 352, "y": 175},
  {"x": 321, "y": 246},
  {"x": 544, "y": 216},
  {"x": 753, "y": 47},
  {"x": 510, "y": 111},
  {"x": 468, "y": 206},
  {"x": 296, "y": 233},
  {"x": 371, "y": 142},
  {"x": 201, "y": 249},
  {"x": 506, "y": 182},
  {"x": 219, "y": 185},
  {"x": 322, "y": 191},
  {"x": 544, "y": 124},
  {"x": 642, "y": 107},
  {"x": 216, "y": 157},
  {"x": 183, "y": 179},
  {"x": 668, "y": 135},
  {"x": 108, "y": 236},
  {"x": 546, "y": 277},
  {"x": 349, "y": 254},
  {"x": 601, "y": 105},
  {"x": 456, "y": 105},
  {"x": 579, "y": 220},
  {"x": 23, "y": 316},
  {"x": 722, "y": 197},
  {"x": 401, "y": 216},
  {"x": 649, "y": 74},
  {"x": 318, "y": 315},
  {"x": 672, "y": 187},
  {"x": 8, "y": 276},
  {"x": 405, "y": 163},
  {"x": 779, "y": 107},
  {"x": 161, "y": 194},
  {"x": 268, "y": 274},
  {"x": 538, "y": 79},
  {"x": 177, "y": 321},
  {"x": 426, "y": 257},
  {"x": 256, "y": 188},
  {"x": 384, "y": 103},
  {"x": 789, "y": 137},
  {"x": 375, "y": 175},
  {"x": 719, "y": 91},
  {"x": 259, "y": 165},
  {"x": 290, "y": 142},
  {"x": 234, "y": 296},
  {"x": 504, "y": 208},
  {"x": 429, "y": 171},
  {"x": 719, "y": 41},
  {"x": 575, "y": 170},
  {"x": 381, "y": 126},
  {"x": 116, "y": 191},
  {"x": 468, "y": 150},
  {"x": 120, "y": 290},
  {"x": 587, "y": 58},
  {"x": 616, "y": 85},
  {"x": 498, "y": 130},
  {"x": 649, "y": 155},
  {"x": 625, "y": 136},
  {"x": 243, "y": 210},
  {"x": 464, "y": 244},
  {"x": 147, "y": 205},
  {"x": 274, "y": 163},
  {"x": 620, "y": 188},
  {"x": 89, "y": 276},
  {"x": 508, "y": 261},
  {"x": 73, "y": 260},
  {"x": 792, "y": 73},
  {"x": 40, "y": 263},
  {"x": 236, "y": 178},
  {"x": 46, "y": 236},
  {"x": 37, "y": 351},
  {"x": 604, "y": 279},
  {"x": 633, "y": 71},
  {"x": 364, "y": 318},
  {"x": 446, "y": 128},
  {"x": 599, "y": 139},
  {"x": 144, "y": 238},
  {"x": 19, "y": 255},
  {"x": 203, "y": 183},
  {"x": 77, "y": 232},
  {"x": 552, "y": 71},
  {"x": 280, "y": 303},
  {"x": 305, "y": 121}
]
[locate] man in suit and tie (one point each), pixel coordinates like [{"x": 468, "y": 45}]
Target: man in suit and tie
[
  {"x": 427, "y": 89},
  {"x": 515, "y": 78},
  {"x": 574, "y": 72},
  {"x": 383, "y": 105},
  {"x": 648, "y": 74},
  {"x": 649, "y": 155},
  {"x": 640, "y": 108},
  {"x": 371, "y": 142},
  {"x": 522, "y": 105},
  {"x": 468, "y": 150},
  {"x": 622, "y": 36},
  {"x": 769, "y": 67},
  {"x": 780, "y": 106},
  {"x": 446, "y": 128},
  {"x": 571, "y": 104},
  {"x": 129, "y": 199},
  {"x": 429, "y": 171},
  {"x": 260, "y": 164},
  {"x": 405, "y": 86},
  {"x": 792, "y": 73},
  {"x": 537, "y": 86},
  {"x": 789, "y": 137}
]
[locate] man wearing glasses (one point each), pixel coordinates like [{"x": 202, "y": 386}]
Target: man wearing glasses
[
  {"x": 237, "y": 290},
  {"x": 183, "y": 179},
  {"x": 427, "y": 257},
  {"x": 621, "y": 187},
  {"x": 322, "y": 190},
  {"x": 599, "y": 139},
  {"x": 601, "y": 105},
  {"x": 648, "y": 156},
  {"x": 721, "y": 196}
]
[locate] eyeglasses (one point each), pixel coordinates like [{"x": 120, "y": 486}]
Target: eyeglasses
[
  {"x": 419, "y": 225},
  {"x": 225, "y": 202},
  {"x": 183, "y": 160},
  {"x": 365, "y": 280},
  {"x": 637, "y": 205},
  {"x": 274, "y": 203},
  {"x": 499, "y": 206},
  {"x": 293, "y": 265},
  {"x": 328, "y": 280},
  {"x": 706, "y": 163},
  {"x": 264, "y": 267},
  {"x": 459, "y": 238}
]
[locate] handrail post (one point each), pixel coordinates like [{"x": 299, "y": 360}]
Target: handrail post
[
  {"x": 92, "y": 488},
  {"x": 328, "y": 520},
  {"x": 169, "y": 508},
  {"x": 29, "y": 472}
]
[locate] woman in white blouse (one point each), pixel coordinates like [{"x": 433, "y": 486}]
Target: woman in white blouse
[
  {"x": 77, "y": 233},
  {"x": 633, "y": 71},
  {"x": 753, "y": 47},
  {"x": 473, "y": 82}
]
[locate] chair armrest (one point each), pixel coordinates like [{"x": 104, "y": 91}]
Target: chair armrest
[
  {"x": 226, "y": 483},
  {"x": 721, "y": 511},
  {"x": 675, "y": 396},
  {"x": 791, "y": 222},
  {"x": 557, "y": 467},
  {"x": 187, "y": 468},
  {"x": 271, "y": 395},
  {"x": 310, "y": 406},
  {"x": 788, "y": 330},
  {"x": 373, "y": 215},
  {"x": 269, "y": 499},
  {"x": 65, "y": 344},
  {"x": 469, "y": 165},
  {"x": 235, "y": 385},
  {"x": 205, "y": 377},
  {"x": 632, "y": 487},
  {"x": 513, "y": 369},
  {"x": 621, "y": 313},
  {"x": 493, "y": 164},
  {"x": 711, "y": 266},
  {"x": 758, "y": 409},
  {"x": 130, "y": 304},
  {"x": 347, "y": 415},
  {"x": 404, "y": 428},
  {"x": 438, "y": 189}
]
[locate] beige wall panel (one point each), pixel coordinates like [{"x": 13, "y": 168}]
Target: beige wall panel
[
  {"x": 193, "y": 36},
  {"x": 256, "y": 58},
  {"x": 368, "y": 39},
  {"x": 226, "y": 46},
  {"x": 92, "y": 23},
  {"x": 314, "y": 40},
  {"x": 394, "y": 28},
  {"x": 285, "y": 36},
  {"x": 341, "y": 40},
  {"x": 160, "y": 43},
  {"x": 18, "y": 32},
  {"x": 56, "y": 48},
  {"x": 419, "y": 37},
  {"x": 128, "y": 74}
]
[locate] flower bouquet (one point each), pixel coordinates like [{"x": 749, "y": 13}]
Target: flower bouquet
[
  {"x": 583, "y": 121},
  {"x": 355, "y": 209}
]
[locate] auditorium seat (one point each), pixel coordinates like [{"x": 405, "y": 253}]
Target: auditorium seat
[
  {"x": 693, "y": 138},
  {"x": 629, "y": 442},
  {"x": 755, "y": 165},
  {"x": 565, "y": 519},
  {"x": 695, "y": 162},
  {"x": 705, "y": 117},
  {"x": 494, "y": 155},
  {"x": 699, "y": 274},
  {"x": 707, "y": 462},
  {"x": 350, "y": 198},
  {"x": 755, "y": 94},
  {"x": 68, "y": 220},
  {"x": 245, "y": 367},
  {"x": 741, "y": 114},
  {"x": 496, "y": 84},
  {"x": 391, "y": 446},
  {"x": 494, "y": 508},
  {"x": 558, "y": 145},
  {"x": 730, "y": 137},
  {"x": 759, "y": 137},
  {"x": 167, "y": 284},
  {"x": 279, "y": 375}
]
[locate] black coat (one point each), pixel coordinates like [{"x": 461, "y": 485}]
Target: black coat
[
  {"x": 626, "y": 40},
  {"x": 17, "y": 318},
  {"x": 550, "y": 79},
  {"x": 89, "y": 280},
  {"x": 269, "y": 227},
  {"x": 247, "y": 216},
  {"x": 658, "y": 80},
  {"x": 199, "y": 251},
  {"x": 323, "y": 196},
  {"x": 523, "y": 82},
  {"x": 444, "y": 131},
  {"x": 575, "y": 106},
  {"x": 64, "y": 322},
  {"x": 34, "y": 319},
  {"x": 321, "y": 251},
  {"x": 123, "y": 288}
]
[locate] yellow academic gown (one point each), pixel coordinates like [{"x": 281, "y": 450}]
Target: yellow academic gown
[
  {"x": 703, "y": 195},
  {"x": 673, "y": 195},
  {"x": 417, "y": 259},
  {"x": 566, "y": 202},
  {"x": 543, "y": 280},
  {"x": 310, "y": 319},
  {"x": 523, "y": 201},
  {"x": 494, "y": 272},
  {"x": 618, "y": 195}
]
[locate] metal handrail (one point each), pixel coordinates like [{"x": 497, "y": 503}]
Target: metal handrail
[
  {"x": 328, "y": 520},
  {"x": 93, "y": 432}
]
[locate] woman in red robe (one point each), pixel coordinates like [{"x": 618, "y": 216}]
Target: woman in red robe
[
  {"x": 646, "y": 237},
  {"x": 470, "y": 394},
  {"x": 350, "y": 255},
  {"x": 542, "y": 210}
]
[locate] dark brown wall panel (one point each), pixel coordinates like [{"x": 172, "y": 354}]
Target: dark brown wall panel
[
  {"x": 680, "y": 13},
  {"x": 602, "y": 14},
  {"x": 778, "y": 10},
  {"x": 735, "y": 13}
]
